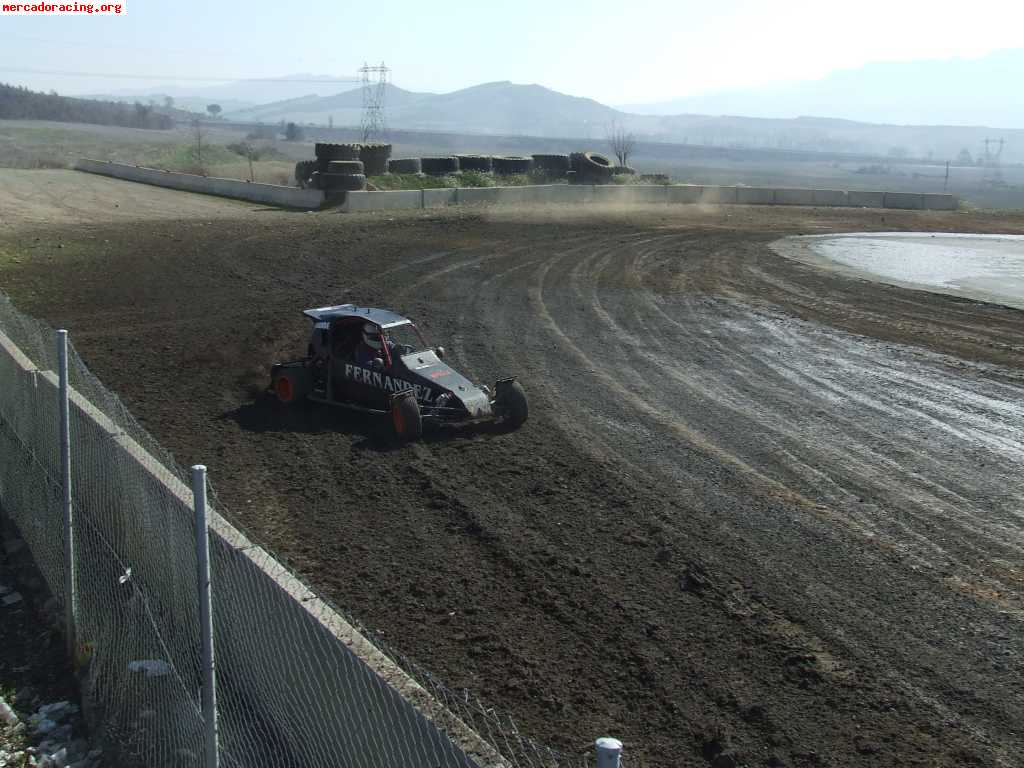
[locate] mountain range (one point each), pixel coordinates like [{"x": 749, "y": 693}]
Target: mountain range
[
  {"x": 922, "y": 109},
  {"x": 501, "y": 107},
  {"x": 982, "y": 91}
]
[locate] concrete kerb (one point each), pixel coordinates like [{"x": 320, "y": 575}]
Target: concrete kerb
[
  {"x": 243, "y": 550},
  {"x": 288, "y": 197}
]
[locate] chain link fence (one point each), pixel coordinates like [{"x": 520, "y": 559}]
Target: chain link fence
[{"x": 299, "y": 683}]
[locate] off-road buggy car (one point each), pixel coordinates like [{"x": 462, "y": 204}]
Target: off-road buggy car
[{"x": 409, "y": 380}]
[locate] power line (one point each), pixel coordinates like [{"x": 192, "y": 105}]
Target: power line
[{"x": 129, "y": 76}]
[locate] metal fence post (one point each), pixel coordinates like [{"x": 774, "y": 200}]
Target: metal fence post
[
  {"x": 205, "y": 617},
  {"x": 70, "y": 585},
  {"x": 609, "y": 751}
]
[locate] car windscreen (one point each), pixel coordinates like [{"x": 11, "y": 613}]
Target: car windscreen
[{"x": 406, "y": 339}]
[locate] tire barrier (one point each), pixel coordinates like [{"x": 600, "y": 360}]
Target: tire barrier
[
  {"x": 591, "y": 168},
  {"x": 510, "y": 166},
  {"x": 439, "y": 166},
  {"x": 348, "y": 182},
  {"x": 475, "y": 163},
  {"x": 345, "y": 166},
  {"x": 337, "y": 151},
  {"x": 303, "y": 170},
  {"x": 375, "y": 158},
  {"x": 552, "y": 165},
  {"x": 405, "y": 165}
]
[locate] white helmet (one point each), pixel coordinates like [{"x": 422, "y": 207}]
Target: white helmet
[{"x": 371, "y": 336}]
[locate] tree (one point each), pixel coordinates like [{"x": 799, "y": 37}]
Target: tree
[
  {"x": 247, "y": 150},
  {"x": 292, "y": 132},
  {"x": 213, "y": 109},
  {"x": 621, "y": 141},
  {"x": 964, "y": 158},
  {"x": 143, "y": 114},
  {"x": 168, "y": 102}
]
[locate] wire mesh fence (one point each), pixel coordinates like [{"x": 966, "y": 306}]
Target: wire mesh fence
[{"x": 299, "y": 682}]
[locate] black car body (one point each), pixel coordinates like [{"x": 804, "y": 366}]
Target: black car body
[{"x": 407, "y": 369}]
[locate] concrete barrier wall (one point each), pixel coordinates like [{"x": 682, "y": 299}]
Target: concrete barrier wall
[
  {"x": 631, "y": 195},
  {"x": 280, "y": 649},
  {"x": 481, "y": 196},
  {"x": 908, "y": 200},
  {"x": 289, "y": 197},
  {"x": 570, "y": 193},
  {"x": 554, "y": 193},
  {"x": 435, "y": 197},
  {"x": 794, "y": 197},
  {"x": 755, "y": 196},
  {"x": 863, "y": 199},
  {"x": 718, "y": 195},
  {"x": 829, "y": 197},
  {"x": 936, "y": 202},
  {"x": 685, "y": 193},
  {"x": 383, "y": 201}
]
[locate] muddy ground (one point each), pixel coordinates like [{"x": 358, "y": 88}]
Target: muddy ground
[{"x": 761, "y": 513}]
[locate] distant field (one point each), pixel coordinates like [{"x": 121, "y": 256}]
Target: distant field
[{"x": 41, "y": 144}]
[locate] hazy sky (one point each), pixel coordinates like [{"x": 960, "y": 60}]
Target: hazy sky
[{"x": 616, "y": 52}]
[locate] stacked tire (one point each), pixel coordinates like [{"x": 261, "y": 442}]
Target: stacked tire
[
  {"x": 554, "y": 166},
  {"x": 405, "y": 165},
  {"x": 481, "y": 163},
  {"x": 512, "y": 166},
  {"x": 338, "y": 175},
  {"x": 439, "y": 166},
  {"x": 375, "y": 158},
  {"x": 303, "y": 170},
  {"x": 338, "y": 182},
  {"x": 325, "y": 153},
  {"x": 590, "y": 168}
]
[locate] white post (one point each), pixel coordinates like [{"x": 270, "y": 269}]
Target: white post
[
  {"x": 205, "y": 616},
  {"x": 609, "y": 751},
  {"x": 63, "y": 404}
]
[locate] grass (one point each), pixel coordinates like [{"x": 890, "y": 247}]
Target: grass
[{"x": 45, "y": 146}]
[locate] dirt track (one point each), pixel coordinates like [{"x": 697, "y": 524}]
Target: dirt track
[{"x": 758, "y": 507}]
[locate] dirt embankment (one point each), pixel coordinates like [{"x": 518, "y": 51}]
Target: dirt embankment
[{"x": 759, "y": 510}]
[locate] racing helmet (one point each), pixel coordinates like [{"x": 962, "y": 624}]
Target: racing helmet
[{"x": 371, "y": 336}]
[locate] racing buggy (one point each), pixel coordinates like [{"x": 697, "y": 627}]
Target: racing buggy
[{"x": 376, "y": 361}]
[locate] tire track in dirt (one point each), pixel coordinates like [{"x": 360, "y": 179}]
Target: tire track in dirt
[
  {"x": 858, "y": 457},
  {"x": 623, "y": 563}
]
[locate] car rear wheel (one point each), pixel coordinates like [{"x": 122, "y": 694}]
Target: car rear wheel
[
  {"x": 406, "y": 418},
  {"x": 292, "y": 385}
]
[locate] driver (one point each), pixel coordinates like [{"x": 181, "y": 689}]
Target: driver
[{"x": 371, "y": 345}]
